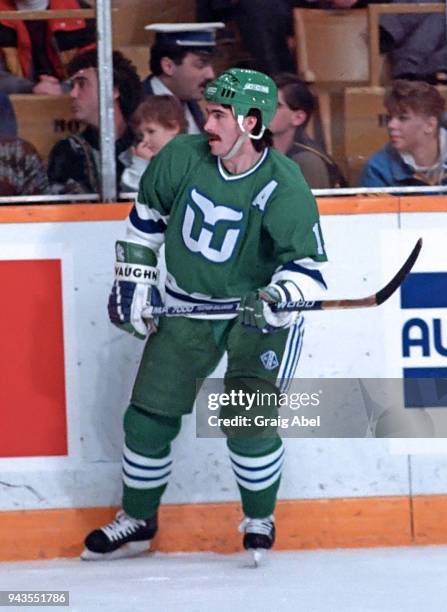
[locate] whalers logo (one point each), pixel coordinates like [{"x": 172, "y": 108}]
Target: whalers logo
[{"x": 213, "y": 217}]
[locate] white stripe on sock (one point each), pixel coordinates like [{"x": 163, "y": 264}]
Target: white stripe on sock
[
  {"x": 141, "y": 472},
  {"x": 257, "y": 473}
]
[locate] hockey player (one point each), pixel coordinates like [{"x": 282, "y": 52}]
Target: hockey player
[{"x": 238, "y": 223}]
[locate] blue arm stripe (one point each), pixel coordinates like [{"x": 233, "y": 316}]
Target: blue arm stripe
[
  {"x": 146, "y": 225},
  {"x": 313, "y": 274}
]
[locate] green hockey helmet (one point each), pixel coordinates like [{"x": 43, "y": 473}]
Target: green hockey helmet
[{"x": 243, "y": 90}]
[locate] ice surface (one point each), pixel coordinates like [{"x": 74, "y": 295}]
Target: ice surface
[{"x": 362, "y": 580}]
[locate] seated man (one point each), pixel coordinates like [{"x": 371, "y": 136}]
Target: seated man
[
  {"x": 296, "y": 105},
  {"x": 73, "y": 162},
  {"x": 417, "y": 151},
  {"x": 181, "y": 65},
  {"x": 22, "y": 171},
  {"x": 33, "y": 54},
  {"x": 415, "y": 42}
]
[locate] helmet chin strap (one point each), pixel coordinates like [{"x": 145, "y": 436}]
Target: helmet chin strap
[{"x": 241, "y": 139}]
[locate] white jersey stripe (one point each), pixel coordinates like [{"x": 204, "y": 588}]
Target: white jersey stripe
[{"x": 291, "y": 355}]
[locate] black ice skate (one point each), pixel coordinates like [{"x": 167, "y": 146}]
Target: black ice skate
[
  {"x": 259, "y": 536},
  {"x": 123, "y": 537}
]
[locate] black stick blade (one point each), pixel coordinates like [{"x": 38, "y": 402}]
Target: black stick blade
[{"x": 395, "y": 283}]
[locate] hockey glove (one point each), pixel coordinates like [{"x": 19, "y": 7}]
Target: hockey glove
[
  {"x": 134, "y": 291},
  {"x": 256, "y": 313}
]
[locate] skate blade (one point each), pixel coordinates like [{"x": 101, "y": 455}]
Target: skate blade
[
  {"x": 256, "y": 557},
  {"x": 131, "y": 549}
]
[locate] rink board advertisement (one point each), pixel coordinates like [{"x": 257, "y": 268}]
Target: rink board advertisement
[
  {"x": 64, "y": 441},
  {"x": 417, "y": 333},
  {"x": 32, "y": 394}
]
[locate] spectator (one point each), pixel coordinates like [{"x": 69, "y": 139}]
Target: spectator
[
  {"x": 33, "y": 54},
  {"x": 416, "y": 42},
  {"x": 417, "y": 151},
  {"x": 181, "y": 65},
  {"x": 155, "y": 122},
  {"x": 73, "y": 162},
  {"x": 21, "y": 169},
  {"x": 215, "y": 10},
  {"x": 218, "y": 10},
  {"x": 264, "y": 26},
  {"x": 296, "y": 105}
]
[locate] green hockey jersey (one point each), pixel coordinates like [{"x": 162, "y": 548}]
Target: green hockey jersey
[{"x": 226, "y": 234}]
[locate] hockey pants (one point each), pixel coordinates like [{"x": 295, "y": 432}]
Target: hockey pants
[{"x": 180, "y": 353}]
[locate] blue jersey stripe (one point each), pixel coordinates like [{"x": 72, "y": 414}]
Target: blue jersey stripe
[
  {"x": 313, "y": 274},
  {"x": 146, "y": 225}
]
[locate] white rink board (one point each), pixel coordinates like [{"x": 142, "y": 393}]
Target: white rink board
[{"x": 101, "y": 363}]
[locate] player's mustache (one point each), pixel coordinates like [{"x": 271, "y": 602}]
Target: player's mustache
[{"x": 212, "y": 136}]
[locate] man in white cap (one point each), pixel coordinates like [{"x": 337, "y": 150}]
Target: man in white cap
[{"x": 180, "y": 65}]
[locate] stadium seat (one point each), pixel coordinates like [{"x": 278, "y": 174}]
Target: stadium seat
[
  {"x": 130, "y": 16},
  {"x": 364, "y": 121},
  {"x": 332, "y": 46},
  {"x": 43, "y": 120},
  {"x": 350, "y": 53},
  {"x": 139, "y": 55}
]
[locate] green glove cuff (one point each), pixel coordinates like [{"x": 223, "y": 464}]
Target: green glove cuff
[
  {"x": 135, "y": 263},
  {"x": 131, "y": 252}
]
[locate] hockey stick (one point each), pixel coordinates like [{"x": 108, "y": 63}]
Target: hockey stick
[{"x": 371, "y": 300}]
